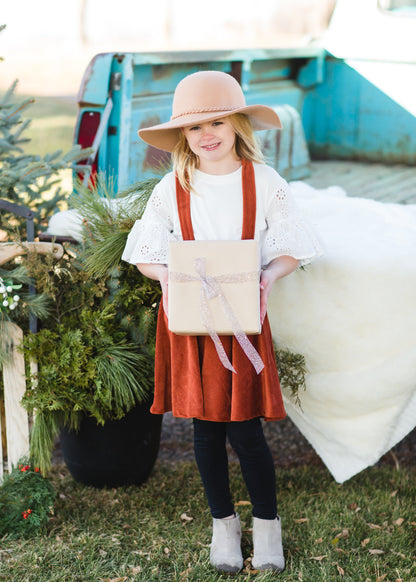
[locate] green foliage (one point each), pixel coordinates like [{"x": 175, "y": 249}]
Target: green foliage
[
  {"x": 17, "y": 304},
  {"x": 14, "y": 282},
  {"x": 26, "y": 501},
  {"x": 25, "y": 179},
  {"x": 108, "y": 219},
  {"x": 292, "y": 371}
]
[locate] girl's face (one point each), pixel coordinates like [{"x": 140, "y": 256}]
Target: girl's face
[{"x": 213, "y": 143}]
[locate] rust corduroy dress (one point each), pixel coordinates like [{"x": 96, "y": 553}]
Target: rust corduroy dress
[{"x": 190, "y": 379}]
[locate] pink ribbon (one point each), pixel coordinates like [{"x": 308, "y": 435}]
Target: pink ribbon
[{"x": 210, "y": 288}]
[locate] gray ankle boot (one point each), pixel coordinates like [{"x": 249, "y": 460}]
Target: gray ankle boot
[
  {"x": 267, "y": 542},
  {"x": 226, "y": 544}
]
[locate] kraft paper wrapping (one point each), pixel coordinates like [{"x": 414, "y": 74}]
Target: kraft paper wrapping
[{"x": 214, "y": 286}]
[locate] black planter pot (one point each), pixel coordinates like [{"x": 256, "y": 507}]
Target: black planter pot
[{"x": 122, "y": 452}]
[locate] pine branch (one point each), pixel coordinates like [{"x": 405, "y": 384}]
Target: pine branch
[
  {"x": 108, "y": 218},
  {"x": 292, "y": 372}
]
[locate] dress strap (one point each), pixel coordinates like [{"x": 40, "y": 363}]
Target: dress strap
[
  {"x": 183, "y": 201},
  {"x": 249, "y": 201}
]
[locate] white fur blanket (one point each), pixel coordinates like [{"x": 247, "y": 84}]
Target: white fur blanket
[{"x": 352, "y": 315}]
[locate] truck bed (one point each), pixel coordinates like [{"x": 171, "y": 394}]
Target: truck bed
[{"x": 382, "y": 182}]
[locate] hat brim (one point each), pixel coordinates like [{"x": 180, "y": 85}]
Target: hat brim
[{"x": 165, "y": 136}]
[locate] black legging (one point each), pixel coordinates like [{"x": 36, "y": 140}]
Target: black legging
[{"x": 257, "y": 467}]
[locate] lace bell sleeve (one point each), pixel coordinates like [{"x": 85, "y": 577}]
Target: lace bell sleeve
[
  {"x": 149, "y": 238},
  {"x": 288, "y": 232}
]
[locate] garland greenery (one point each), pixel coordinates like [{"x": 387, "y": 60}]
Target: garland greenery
[
  {"x": 17, "y": 304},
  {"x": 108, "y": 219},
  {"x": 292, "y": 372},
  {"x": 26, "y": 501}
]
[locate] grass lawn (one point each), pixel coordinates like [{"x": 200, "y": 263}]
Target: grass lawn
[
  {"x": 52, "y": 126},
  {"x": 361, "y": 531}
]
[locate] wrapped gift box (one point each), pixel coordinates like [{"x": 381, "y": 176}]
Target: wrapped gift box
[{"x": 212, "y": 283}]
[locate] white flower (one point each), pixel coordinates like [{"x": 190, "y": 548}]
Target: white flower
[
  {"x": 16, "y": 298},
  {"x": 9, "y": 289},
  {"x": 5, "y": 303},
  {"x": 12, "y": 306},
  {"x": 2, "y": 288}
]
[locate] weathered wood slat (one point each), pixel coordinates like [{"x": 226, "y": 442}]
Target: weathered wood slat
[
  {"x": 396, "y": 183},
  {"x": 9, "y": 251},
  {"x": 17, "y": 423}
]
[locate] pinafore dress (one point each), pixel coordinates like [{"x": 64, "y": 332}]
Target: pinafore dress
[{"x": 190, "y": 379}]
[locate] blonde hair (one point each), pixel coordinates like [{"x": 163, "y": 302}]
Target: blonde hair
[{"x": 246, "y": 147}]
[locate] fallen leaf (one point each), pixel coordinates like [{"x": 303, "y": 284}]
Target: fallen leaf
[
  {"x": 243, "y": 503},
  {"x": 135, "y": 569},
  {"x": 343, "y": 534},
  {"x": 341, "y": 571},
  {"x": 381, "y": 578},
  {"x": 398, "y": 521},
  {"x": 393, "y": 493},
  {"x": 186, "y": 517},
  {"x": 301, "y": 520},
  {"x": 166, "y": 551},
  {"x": 318, "y": 558},
  {"x": 365, "y": 542},
  {"x": 373, "y": 526},
  {"x": 376, "y": 552},
  {"x": 103, "y": 553}
]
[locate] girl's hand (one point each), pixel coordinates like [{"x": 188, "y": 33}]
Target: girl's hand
[
  {"x": 163, "y": 280},
  {"x": 266, "y": 284},
  {"x": 276, "y": 269}
]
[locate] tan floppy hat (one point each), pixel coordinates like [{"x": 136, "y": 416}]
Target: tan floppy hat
[{"x": 203, "y": 96}]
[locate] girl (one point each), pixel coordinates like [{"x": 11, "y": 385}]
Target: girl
[{"x": 220, "y": 189}]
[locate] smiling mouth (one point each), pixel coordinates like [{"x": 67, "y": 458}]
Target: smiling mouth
[{"x": 211, "y": 147}]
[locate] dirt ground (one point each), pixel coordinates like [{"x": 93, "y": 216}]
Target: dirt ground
[{"x": 288, "y": 446}]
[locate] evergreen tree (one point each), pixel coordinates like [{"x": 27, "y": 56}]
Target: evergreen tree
[{"x": 25, "y": 178}]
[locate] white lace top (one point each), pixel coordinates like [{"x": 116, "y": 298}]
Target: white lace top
[{"x": 217, "y": 214}]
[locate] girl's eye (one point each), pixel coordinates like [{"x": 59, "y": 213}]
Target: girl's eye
[
  {"x": 194, "y": 128},
  {"x": 215, "y": 123}
]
